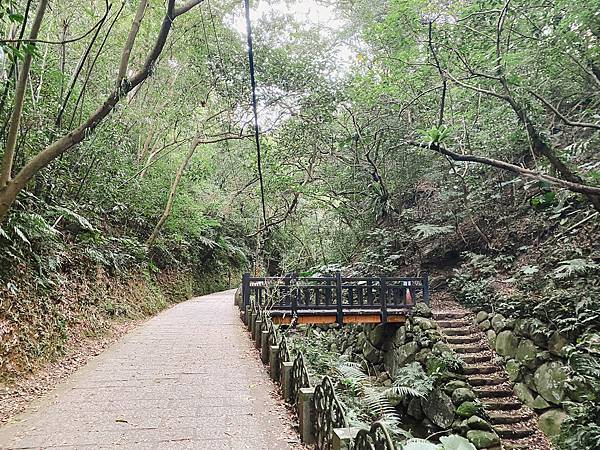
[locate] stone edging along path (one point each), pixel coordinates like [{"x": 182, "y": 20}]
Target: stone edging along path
[{"x": 188, "y": 378}]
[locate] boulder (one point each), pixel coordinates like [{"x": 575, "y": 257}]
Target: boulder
[
  {"x": 441, "y": 347},
  {"x": 462, "y": 395},
  {"x": 485, "y": 325},
  {"x": 468, "y": 409},
  {"x": 422, "y": 355},
  {"x": 371, "y": 354},
  {"x": 550, "y": 381},
  {"x": 524, "y": 394},
  {"x": 491, "y": 337},
  {"x": 557, "y": 344},
  {"x": 477, "y": 423},
  {"x": 527, "y": 353},
  {"x": 499, "y": 323},
  {"x": 460, "y": 426},
  {"x": 507, "y": 344},
  {"x": 513, "y": 369},
  {"x": 438, "y": 408},
  {"x": 360, "y": 340},
  {"x": 450, "y": 387},
  {"x": 399, "y": 338},
  {"x": 414, "y": 408},
  {"x": 483, "y": 439},
  {"x": 539, "y": 403},
  {"x": 551, "y": 421},
  {"x": 422, "y": 310},
  {"x": 481, "y": 316},
  {"x": 378, "y": 335},
  {"x": 425, "y": 324},
  {"x": 400, "y": 357}
]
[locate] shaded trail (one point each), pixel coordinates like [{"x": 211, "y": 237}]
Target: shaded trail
[{"x": 188, "y": 378}]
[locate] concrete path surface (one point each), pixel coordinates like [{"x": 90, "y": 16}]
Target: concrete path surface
[{"x": 186, "y": 379}]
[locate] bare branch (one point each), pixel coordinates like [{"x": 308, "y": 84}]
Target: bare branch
[{"x": 571, "y": 186}]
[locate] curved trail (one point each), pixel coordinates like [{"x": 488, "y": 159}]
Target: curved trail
[{"x": 188, "y": 378}]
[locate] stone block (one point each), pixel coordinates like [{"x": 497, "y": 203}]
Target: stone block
[
  {"x": 306, "y": 415},
  {"x": 264, "y": 347},
  {"x": 274, "y": 362},
  {"x": 257, "y": 331},
  {"x": 286, "y": 380},
  {"x": 342, "y": 438}
]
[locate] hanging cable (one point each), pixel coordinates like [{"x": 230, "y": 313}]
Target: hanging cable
[{"x": 254, "y": 109}]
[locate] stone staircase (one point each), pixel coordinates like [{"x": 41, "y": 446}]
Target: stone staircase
[{"x": 515, "y": 423}]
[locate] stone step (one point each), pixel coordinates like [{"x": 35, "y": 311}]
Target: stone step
[
  {"x": 507, "y": 418},
  {"x": 452, "y": 324},
  {"x": 469, "y": 348},
  {"x": 457, "y": 331},
  {"x": 471, "y": 359},
  {"x": 479, "y": 369},
  {"x": 488, "y": 380},
  {"x": 493, "y": 392},
  {"x": 447, "y": 315},
  {"x": 502, "y": 404},
  {"x": 464, "y": 339},
  {"x": 517, "y": 444},
  {"x": 509, "y": 431}
]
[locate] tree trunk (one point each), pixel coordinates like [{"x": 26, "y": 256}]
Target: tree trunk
[
  {"x": 17, "y": 112},
  {"x": 172, "y": 192},
  {"x": 135, "y": 28},
  {"x": 9, "y": 192}
]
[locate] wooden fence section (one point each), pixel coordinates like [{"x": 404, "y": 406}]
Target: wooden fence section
[{"x": 335, "y": 298}]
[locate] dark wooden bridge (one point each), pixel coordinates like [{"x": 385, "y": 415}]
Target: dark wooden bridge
[{"x": 334, "y": 299}]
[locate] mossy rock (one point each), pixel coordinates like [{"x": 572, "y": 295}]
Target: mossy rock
[
  {"x": 524, "y": 394},
  {"x": 462, "y": 395},
  {"x": 513, "y": 369},
  {"x": 551, "y": 421},
  {"x": 481, "y": 316},
  {"x": 441, "y": 347},
  {"x": 483, "y": 439},
  {"x": 507, "y": 344},
  {"x": 540, "y": 404},
  {"x": 550, "y": 379},
  {"x": 438, "y": 408},
  {"x": 491, "y": 337},
  {"x": 527, "y": 353},
  {"x": 485, "y": 325},
  {"x": 454, "y": 385},
  {"x": 477, "y": 423},
  {"x": 499, "y": 323},
  {"x": 425, "y": 324},
  {"x": 422, "y": 310},
  {"x": 468, "y": 409}
]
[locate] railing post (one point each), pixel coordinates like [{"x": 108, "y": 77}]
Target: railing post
[
  {"x": 382, "y": 299},
  {"x": 274, "y": 362},
  {"x": 306, "y": 415},
  {"x": 426, "y": 288},
  {"x": 246, "y": 289},
  {"x": 338, "y": 294}
]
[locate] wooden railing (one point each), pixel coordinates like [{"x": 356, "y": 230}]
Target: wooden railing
[{"x": 298, "y": 296}]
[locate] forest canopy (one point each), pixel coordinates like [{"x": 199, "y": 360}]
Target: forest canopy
[{"x": 397, "y": 137}]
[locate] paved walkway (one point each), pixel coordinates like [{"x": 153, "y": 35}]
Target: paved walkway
[{"x": 186, "y": 379}]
